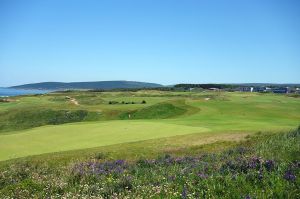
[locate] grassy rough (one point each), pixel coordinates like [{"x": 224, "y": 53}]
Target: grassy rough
[
  {"x": 25, "y": 119},
  {"x": 157, "y": 111},
  {"x": 247, "y": 170}
]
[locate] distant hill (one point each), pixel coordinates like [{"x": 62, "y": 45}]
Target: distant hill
[{"x": 105, "y": 85}]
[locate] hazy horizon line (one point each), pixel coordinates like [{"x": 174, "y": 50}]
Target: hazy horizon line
[{"x": 152, "y": 82}]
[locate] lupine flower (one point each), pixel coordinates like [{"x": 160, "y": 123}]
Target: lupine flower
[
  {"x": 97, "y": 168},
  {"x": 184, "y": 193},
  {"x": 119, "y": 162},
  {"x": 289, "y": 176},
  {"x": 255, "y": 162},
  {"x": 179, "y": 160},
  {"x": 269, "y": 164}
]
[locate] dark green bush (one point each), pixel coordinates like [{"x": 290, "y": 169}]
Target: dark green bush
[{"x": 32, "y": 118}]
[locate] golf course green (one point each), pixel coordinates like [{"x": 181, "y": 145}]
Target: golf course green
[
  {"x": 86, "y": 135},
  {"x": 56, "y": 122}
]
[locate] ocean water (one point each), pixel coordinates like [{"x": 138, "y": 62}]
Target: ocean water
[{"x": 14, "y": 92}]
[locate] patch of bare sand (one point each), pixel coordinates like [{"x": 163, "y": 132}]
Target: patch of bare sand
[{"x": 74, "y": 101}]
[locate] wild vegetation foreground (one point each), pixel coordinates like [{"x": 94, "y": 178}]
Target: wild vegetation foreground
[{"x": 263, "y": 166}]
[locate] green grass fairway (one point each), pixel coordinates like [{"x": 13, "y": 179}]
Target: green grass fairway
[
  {"x": 85, "y": 135},
  {"x": 165, "y": 114}
]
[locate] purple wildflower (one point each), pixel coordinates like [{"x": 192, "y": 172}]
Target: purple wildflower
[
  {"x": 289, "y": 176},
  {"x": 247, "y": 197},
  {"x": 269, "y": 164},
  {"x": 254, "y": 163},
  {"x": 119, "y": 162},
  {"x": 179, "y": 160},
  {"x": 184, "y": 193},
  {"x": 98, "y": 168}
]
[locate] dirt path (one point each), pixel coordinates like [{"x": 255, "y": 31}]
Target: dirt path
[{"x": 74, "y": 101}]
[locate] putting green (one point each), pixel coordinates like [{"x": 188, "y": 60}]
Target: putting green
[{"x": 49, "y": 139}]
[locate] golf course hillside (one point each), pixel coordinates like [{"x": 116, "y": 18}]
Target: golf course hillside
[
  {"x": 64, "y": 121},
  {"x": 150, "y": 144},
  {"x": 213, "y": 111}
]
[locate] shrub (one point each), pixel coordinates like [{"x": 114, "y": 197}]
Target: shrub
[
  {"x": 113, "y": 102},
  {"x": 33, "y": 118}
]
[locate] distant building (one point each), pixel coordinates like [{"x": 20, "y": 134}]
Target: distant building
[
  {"x": 214, "y": 89},
  {"x": 261, "y": 89},
  {"x": 245, "y": 89},
  {"x": 281, "y": 90},
  {"x": 267, "y": 89}
]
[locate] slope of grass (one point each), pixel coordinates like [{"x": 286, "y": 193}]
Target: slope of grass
[
  {"x": 24, "y": 119},
  {"x": 85, "y": 135},
  {"x": 188, "y": 144},
  {"x": 244, "y": 112},
  {"x": 157, "y": 111},
  {"x": 248, "y": 169},
  {"x": 220, "y": 112}
]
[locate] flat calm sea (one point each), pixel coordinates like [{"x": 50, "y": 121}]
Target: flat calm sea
[{"x": 4, "y": 92}]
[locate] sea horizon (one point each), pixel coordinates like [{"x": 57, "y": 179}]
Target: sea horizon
[{"x": 9, "y": 92}]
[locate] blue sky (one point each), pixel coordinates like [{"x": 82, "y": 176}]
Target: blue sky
[{"x": 162, "y": 41}]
